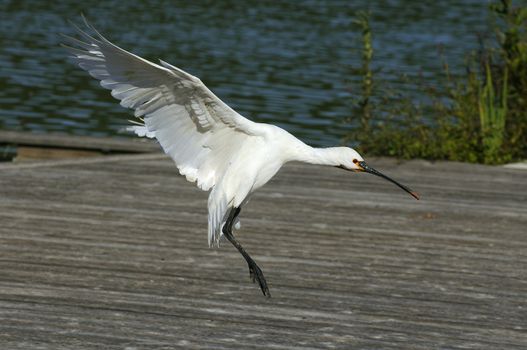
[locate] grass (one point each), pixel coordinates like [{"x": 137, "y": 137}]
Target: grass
[
  {"x": 492, "y": 116},
  {"x": 480, "y": 117}
]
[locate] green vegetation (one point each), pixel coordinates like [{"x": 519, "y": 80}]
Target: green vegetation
[{"x": 480, "y": 117}]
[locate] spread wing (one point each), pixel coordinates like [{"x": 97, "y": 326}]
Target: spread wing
[{"x": 193, "y": 126}]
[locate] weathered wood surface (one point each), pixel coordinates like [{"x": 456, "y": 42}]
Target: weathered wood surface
[
  {"x": 111, "y": 253},
  {"x": 85, "y": 143}
]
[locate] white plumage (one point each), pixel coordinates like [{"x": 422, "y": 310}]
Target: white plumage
[
  {"x": 210, "y": 143},
  {"x": 193, "y": 126}
]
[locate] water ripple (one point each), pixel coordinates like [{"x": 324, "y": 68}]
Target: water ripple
[{"x": 280, "y": 62}]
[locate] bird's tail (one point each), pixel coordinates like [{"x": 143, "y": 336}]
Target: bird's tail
[{"x": 218, "y": 212}]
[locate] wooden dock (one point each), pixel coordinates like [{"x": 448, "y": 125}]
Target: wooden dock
[
  {"x": 111, "y": 253},
  {"x": 24, "y": 146}
]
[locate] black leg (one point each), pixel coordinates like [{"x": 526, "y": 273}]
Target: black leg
[{"x": 255, "y": 272}]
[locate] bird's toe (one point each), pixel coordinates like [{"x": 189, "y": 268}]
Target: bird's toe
[{"x": 256, "y": 274}]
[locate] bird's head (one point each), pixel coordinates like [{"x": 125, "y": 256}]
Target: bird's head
[{"x": 353, "y": 161}]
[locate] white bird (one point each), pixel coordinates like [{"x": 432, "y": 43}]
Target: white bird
[{"x": 211, "y": 144}]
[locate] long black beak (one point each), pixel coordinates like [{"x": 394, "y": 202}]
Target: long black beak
[{"x": 365, "y": 167}]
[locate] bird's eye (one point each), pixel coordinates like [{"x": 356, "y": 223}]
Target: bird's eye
[{"x": 355, "y": 161}]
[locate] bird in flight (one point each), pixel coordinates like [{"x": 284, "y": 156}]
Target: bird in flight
[{"x": 211, "y": 144}]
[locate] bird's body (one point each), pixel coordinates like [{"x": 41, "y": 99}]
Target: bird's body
[{"x": 211, "y": 144}]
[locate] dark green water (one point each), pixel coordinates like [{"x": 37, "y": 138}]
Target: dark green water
[{"x": 281, "y": 62}]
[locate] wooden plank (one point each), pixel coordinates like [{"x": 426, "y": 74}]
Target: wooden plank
[
  {"x": 111, "y": 253},
  {"x": 78, "y": 142},
  {"x": 31, "y": 153}
]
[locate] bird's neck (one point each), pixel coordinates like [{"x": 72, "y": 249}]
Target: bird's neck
[{"x": 320, "y": 156}]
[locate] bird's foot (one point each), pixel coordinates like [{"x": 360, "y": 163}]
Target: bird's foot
[{"x": 256, "y": 274}]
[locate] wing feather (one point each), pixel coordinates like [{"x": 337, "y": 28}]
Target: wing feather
[{"x": 193, "y": 126}]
